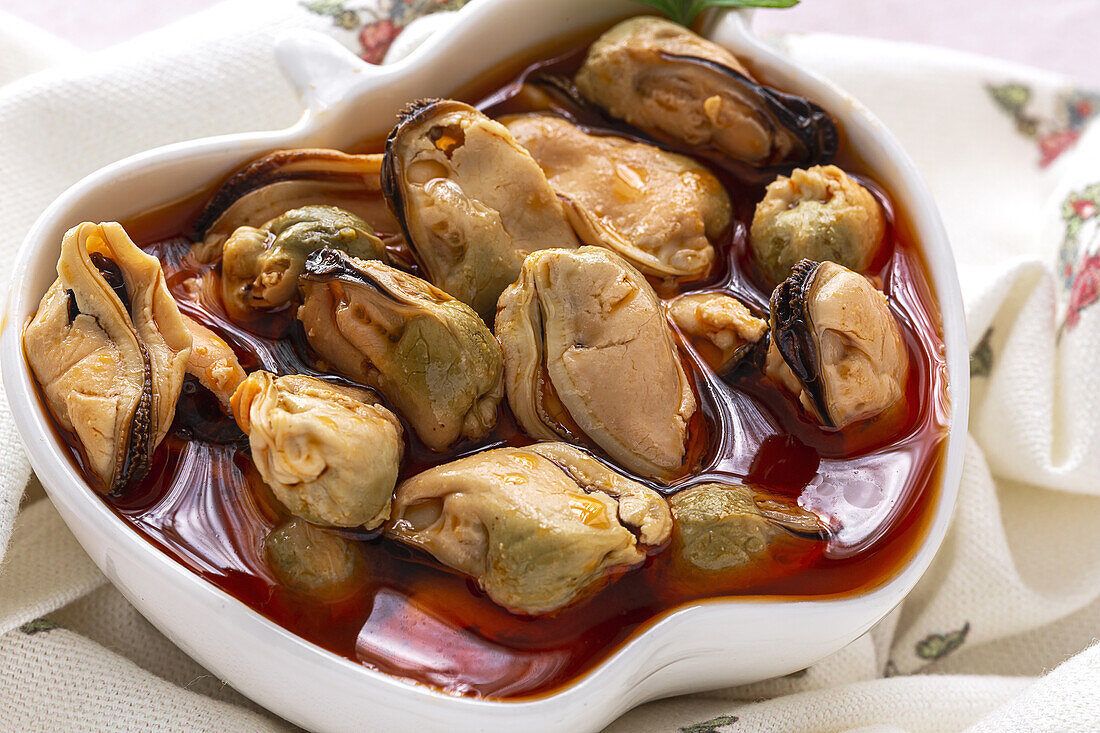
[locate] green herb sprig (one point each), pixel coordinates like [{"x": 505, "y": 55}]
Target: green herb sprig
[{"x": 685, "y": 11}]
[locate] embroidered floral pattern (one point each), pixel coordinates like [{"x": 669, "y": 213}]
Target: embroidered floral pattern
[
  {"x": 1055, "y": 133},
  {"x": 376, "y": 24},
  {"x": 710, "y": 726},
  {"x": 37, "y": 626},
  {"x": 1079, "y": 259},
  {"x": 938, "y": 646}
]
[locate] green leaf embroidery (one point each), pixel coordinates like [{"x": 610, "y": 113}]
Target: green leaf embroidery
[
  {"x": 710, "y": 726},
  {"x": 342, "y": 16},
  {"x": 38, "y": 625},
  {"x": 325, "y": 7},
  {"x": 685, "y": 11},
  {"x": 1012, "y": 98},
  {"x": 938, "y": 646},
  {"x": 1073, "y": 206},
  {"x": 981, "y": 358},
  {"x": 406, "y": 11}
]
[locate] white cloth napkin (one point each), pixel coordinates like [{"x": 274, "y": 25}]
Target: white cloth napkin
[{"x": 998, "y": 635}]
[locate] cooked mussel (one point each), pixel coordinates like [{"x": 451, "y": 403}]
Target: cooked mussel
[
  {"x": 681, "y": 88},
  {"x": 329, "y": 452},
  {"x": 109, "y": 348},
  {"x": 589, "y": 356},
  {"x": 818, "y": 214},
  {"x": 659, "y": 210},
  {"x": 213, "y": 363},
  {"x": 471, "y": 201},
  {"x": 534, "y": 526},
  {"x": 260, "y": 266},
  {"x": 720, "y": 326},
  {"x": 290, "y": 179},
  {"x": 725, "y": 526},
  {"x": 313, "y": 560},
  {"x": 430, "y": 354},
  {"x": 835, "y": 344}
]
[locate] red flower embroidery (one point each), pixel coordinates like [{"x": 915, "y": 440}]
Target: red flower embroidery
[
  {"x": 1085, "y": 209},
  {"x": 1086, "y": 288},
  {"x": 1054, "y": 144},
  {"x": 1055, "y": 133},
  {"x": 376, "y": 39}
]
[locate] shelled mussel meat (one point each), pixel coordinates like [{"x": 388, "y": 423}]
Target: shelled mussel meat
[
  {"x": 260, "y": 266},
  {"x": 430, "y": 354},
  {"x": 683, "y": 89},
  {"x": 835, "y": 344},
  {"x": 330, "y": 453},
  {"x": 535, "y": 526},
  {"x": 290, "y": 179},
  {"x": 110, "y": 349},
  {"x": 471, "y": 201},
  {"x": 720, "y": 326},
  {"x": 313, "y": 560},
  {"x": 723, "y": 526},
  {"x": 818, "y": 214},
  {"x": 659, "y": 210},
  {"x": 589, "y": 356},
  {"x": 212, "y": 362}
]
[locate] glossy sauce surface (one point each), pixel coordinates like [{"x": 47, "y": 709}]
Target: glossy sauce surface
[{"x": 204, "y": 504}]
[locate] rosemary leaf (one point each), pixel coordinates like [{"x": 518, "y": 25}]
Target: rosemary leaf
[{"x": 685, "y": 11}]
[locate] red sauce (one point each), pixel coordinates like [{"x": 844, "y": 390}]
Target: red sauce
[{"x": 204, "y": 504}]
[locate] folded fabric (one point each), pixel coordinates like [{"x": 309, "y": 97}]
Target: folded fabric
[
  {"x": 28, "y": 48},
  {"x": 1014, "y": 592}
]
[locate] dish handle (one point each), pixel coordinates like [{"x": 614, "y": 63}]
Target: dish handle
[
  {"x": 729, "y": 26},
  {"x": 320, "y": 69}
]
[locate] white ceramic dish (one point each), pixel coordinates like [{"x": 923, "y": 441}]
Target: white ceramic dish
[{"x": 702, "y": 646}]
